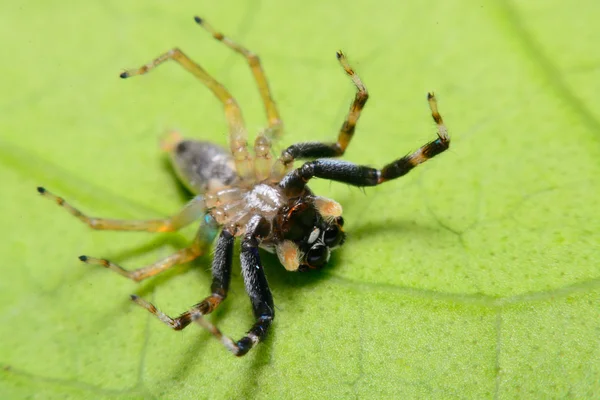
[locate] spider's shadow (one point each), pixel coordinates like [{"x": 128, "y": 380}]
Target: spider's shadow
[{"x": 183, "y": 192}]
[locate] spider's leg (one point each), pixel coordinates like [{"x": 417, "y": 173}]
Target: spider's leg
[
  {"x": 309, "y": 150},
  {"x": 204, "y": 238},
  {"x": 262, "y": 144},
  {"x": 263, "y": 161},
  {"x": 256, "y": 287},
  {"x": 237, "y": 129},
  {"x": 221, "y": 272},
  {"x": 275, "y": 123},
  {"x": 359, "y": 175},
  {"x": 191, "y": 212}
]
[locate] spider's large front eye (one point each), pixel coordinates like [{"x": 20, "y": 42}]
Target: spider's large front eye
[
  {"x": 333, "y": 236},
  {"x": 317, "y": 256}
]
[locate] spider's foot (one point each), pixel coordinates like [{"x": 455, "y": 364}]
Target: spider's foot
[
  {"x": 97, "y": 261},
  {"x": 110, "y": 265},
  {"x": 143, "y": 303}
]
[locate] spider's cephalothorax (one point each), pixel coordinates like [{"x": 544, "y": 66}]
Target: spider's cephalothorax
[
  {"x": 306, "y": 231},
  {"x": 264, "y": 202}
]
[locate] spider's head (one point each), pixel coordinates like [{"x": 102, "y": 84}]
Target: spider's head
[{"x": 311, "y": 227}]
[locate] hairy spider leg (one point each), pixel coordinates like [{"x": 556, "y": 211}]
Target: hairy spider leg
[
  {"x": 237, "y": 130},
  {"x": 360, "y": 175},
  {"x": 275, "y": 123},
  {"x": 318, "y": 149},
  {"x": 191, "y": 212},
  {"x": 221, "y": 272},
  {"x": 201, "y": 244},
  {"x": 256, "y": 286}
]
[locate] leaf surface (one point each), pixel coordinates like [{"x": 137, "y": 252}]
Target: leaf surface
[{"x": 475, "y": 276}]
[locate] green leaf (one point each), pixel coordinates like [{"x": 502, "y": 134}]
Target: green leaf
[{"x": 476, "y": 276}]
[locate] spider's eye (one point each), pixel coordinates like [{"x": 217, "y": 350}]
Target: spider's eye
[
  {"x": 333, "y": 236},
  {"x": 317, "y": 256}
]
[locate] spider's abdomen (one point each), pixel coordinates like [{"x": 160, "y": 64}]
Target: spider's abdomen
[{"x": 202, "y": 166}]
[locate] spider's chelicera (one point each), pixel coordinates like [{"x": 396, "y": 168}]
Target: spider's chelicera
[{"x": 263, "y": 201}]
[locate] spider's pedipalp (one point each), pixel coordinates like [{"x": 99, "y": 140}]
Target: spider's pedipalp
[
  {"x": 328, "y": 208},
  {"x": 204, "y": 238},
  {"x": 308, "y": 150},
  {"x": 237, "y": 129},
  {"x": 289, "y": 255},
  {"x": 191, "y": 212},
  {"x": 221, "y": 272}
]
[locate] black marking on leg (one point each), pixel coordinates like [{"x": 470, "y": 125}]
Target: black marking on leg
[{"x": 41, "y": 190}]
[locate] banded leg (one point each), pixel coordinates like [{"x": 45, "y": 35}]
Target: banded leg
[
  {"x": 221, "y": 271},
  {"x": 237, "y": 129},
  {"x": 359, "y": 175},
  {"x": 256, "y": 287},
  {"x": 318, "y": 149},
  {"x": 274, "y": 120},
  {"x": 204, "y": 237},
  {"x": 191, "y": 212}
]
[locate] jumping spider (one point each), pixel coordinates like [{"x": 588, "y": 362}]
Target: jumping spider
[{"x": 265, "y": 202}]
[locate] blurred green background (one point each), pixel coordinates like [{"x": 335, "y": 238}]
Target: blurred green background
[{"x": 475, "y": 276}]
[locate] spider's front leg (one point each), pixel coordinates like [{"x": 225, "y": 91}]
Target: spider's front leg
[
  {"x": 308, "y": 150},
  {"x": 360, "y": 175},
  {"x": 256, "y": 287}
]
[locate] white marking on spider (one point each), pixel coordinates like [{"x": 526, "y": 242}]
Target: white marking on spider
[{"x": 314, "y": 235}]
